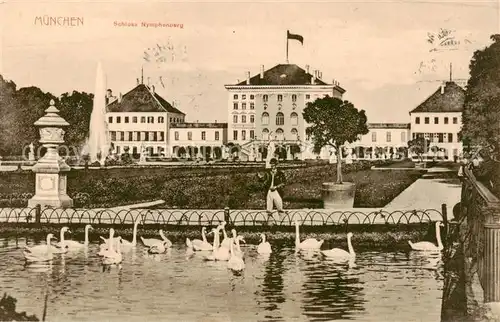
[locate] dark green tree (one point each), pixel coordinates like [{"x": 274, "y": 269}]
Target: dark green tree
[
  {"x": 76, "y": 109},
  {"x": 334, "y": 122},
  {"x": 481, "y": 115},
  {"x": 8, "y": 106},
  {"x": 419, "y": 146}
]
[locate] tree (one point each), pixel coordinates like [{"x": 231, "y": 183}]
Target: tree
[
  {"x": 76, "y": 109},
  {"x": 333, "y": 123},
  {"x": 481, "y": 115},
  {"x": 419, "y": 146}
]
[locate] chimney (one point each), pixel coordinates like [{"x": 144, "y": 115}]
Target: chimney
[
  {"x": 152, "y": 89},
  {"x": 120, "y": 98},
  {"x": 442, "y": 88},
  {"x": 307, "y": 69},
  {"x": 320, "y": 74},
  {"x": 248, "y": 78},
  {"x": 138, "y": 82},
  {"x": 261, "y": 71},
  {"x": 109, "y": 93}
]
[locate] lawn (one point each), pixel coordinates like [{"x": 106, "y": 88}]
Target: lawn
[
  {"x": 400, "y": 164},
  {"x": 206, "y": 188}
]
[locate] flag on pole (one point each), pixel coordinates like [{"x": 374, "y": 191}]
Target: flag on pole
[{"x": 295, "y": 37}]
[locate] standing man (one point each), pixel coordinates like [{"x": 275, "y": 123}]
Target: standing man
[{"x": 274, "y": 182}]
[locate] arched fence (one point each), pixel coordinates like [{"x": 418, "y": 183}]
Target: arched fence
[{"x": 185, "y": 217}]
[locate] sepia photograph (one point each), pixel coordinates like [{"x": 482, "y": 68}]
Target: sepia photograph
[{"x": 250, "y": 160}]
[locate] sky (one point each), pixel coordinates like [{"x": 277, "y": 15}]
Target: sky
[{"x": 377, "y": 51}]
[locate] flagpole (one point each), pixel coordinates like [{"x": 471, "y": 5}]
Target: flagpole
[{"x": 287, "y": 46}]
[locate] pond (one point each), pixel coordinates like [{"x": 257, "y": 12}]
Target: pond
[{"x": 180, "y": 286}]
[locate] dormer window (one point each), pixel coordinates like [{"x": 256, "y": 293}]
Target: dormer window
[
  {"x": 265, "y": 98},
  {"x": 235, "y": 96},
  {"x": 294, "y": 98},
  {"x": 280, "y": 98}
]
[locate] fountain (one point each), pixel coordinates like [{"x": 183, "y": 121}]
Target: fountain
[{"x": 98, "y": 142}]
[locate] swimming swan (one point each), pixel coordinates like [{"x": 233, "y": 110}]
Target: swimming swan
[
  {"x": 310, "y": 243},
  {"x": 110, "y": 256},
  {"x": 149, "y": 242},
  {"x": 127, "y": 244},
  {"x": 200, "y": 245},
  {"x": 237, "y": 249},
  {"x": 235, "y": 263},
  {"x": 218, "y": 253},
  {"x": 60, "y": 247},
  {"x": 73, "y": 244},
  {"x": 340, "y": 254},
  {"x": 39, "y": 253},
  {"x": 428, "y": 246},
  {"x": 264, "y": 246}
]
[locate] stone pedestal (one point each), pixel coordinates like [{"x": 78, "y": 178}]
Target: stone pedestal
[
  {"x": 50, "y": 189},
  {"x": 491, "y": 260},
  {"x": 337, "y": 196}
]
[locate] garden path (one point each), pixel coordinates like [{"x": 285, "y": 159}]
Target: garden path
[{"x": 439, "y": 185}]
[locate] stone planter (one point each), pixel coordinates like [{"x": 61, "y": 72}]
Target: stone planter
[{"x": 338, "y": 195}]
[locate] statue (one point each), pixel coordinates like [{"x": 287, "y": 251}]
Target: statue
[
  {"x": 142, "y": 158},
  {"x": 270, "y": 153},
  {"x": 31, "y": 153},
  {"x": 333, "y": 156},
  {"x": 348, "y": 158}
]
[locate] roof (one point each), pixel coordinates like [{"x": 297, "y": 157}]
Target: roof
[
  {"x": 198, "y": 125},
  {"x": 389, "y": 125},
  {"x": 285, "y": 74},
  {"x": 141, "y": 99},
  {"x": 451, "y": 100}
]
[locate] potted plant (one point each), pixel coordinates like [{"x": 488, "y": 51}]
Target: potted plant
[
  {"x": 334, "y": 122},
  {"x": 419, "y": 146}
]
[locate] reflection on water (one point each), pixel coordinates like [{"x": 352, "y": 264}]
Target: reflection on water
[{"x": 181, "y": 285}]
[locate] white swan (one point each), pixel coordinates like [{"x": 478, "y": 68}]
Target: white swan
[
  {"x": 264, "y": 246},
  {"x": 237, "y": 249},
  {"x": 218, "y": 253},
  {"x": 339, "y": 254},
  {"x": 127, "y": 244},
  {"x": 308, "y": 244},
  {"x": 104, "y": 248},
  {"x": 226, "y": 241},
  {"x": 60, "y": 247},
  {"x": 149, "y": 242},
  {"x": 157, "y": 249},
  {"x": 200, "y": 245},
  {"x": 428, "y": 246},
  {"x": 73, "y": 244},
  {"x": 39, "y": 253},
  {"x": 235, "y": 263},
  {"x": 111, "y": 256}
]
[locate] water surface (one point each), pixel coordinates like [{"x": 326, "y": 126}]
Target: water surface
[{"x": 179, "y": 286}]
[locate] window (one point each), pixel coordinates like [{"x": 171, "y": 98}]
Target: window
[
  {"x": 280, "y": 98},
  {"x": 374, "y": 136},
  {"x": 265, "y": 134},
  {"x": 308, "y": 96},
  {"x": 151, "y": 119},
  {"x": 265, "y": 98},
  {"x": 426, "y": 120},
  {"x": 280, "y": 118},
  {"x": 243, "y": 135},
  {"x": 118, "y": 119},
  {"x": 235, "y": 118},
  {"x": 113, "y": 136},
  {"x": 388, "y": 136},
  {"x": 440, "y": 137},
  {"x": 235, "y": 106},
  {"x": 450, "y": 137},
  {"x": 126, "y": 119},
  {"x": 294, "y": 134},
  {"x": 279, "y": 134},
  {"x": 130, "y": 136},
  {"x": 161, "y": 119},
  {"x": 265, "y": 118},
  {"x": 118, "y": 150},
  {"x": 445, "y": 120},
  {"x": 294, "y": 118},
  {"x": 252, "y": 96},
  {"x": 243, "y": 106},
  {"x": 235, "y": 96},
  {"x": 121, "y": 136},
  {"x": 243, "y": 119},
  {"x": 203, "y": 135},
  {"x": 153, "y": 136},
  {"x": 252, "y": 105},
  {"x": 162, "y": 136},
  {"x": 252, "y": 119},
  {"x": 216, "y": 135},
  {"x": 143, "y": 119},
  {"x": 235, "y": 135},
  {"x": 252, "y": 134},
  {"x": 190, "y": 135},
  {"x": 417, "y": 120},
  {"x": 455, "y": 120},
  {"x": 134, "y": 119},
  {"x": 403, "y": 136},
  {"x": 294, "y": 98},
  {"x": 436, "y": 120},
  {"x": 243, "y": 97},
  {"x": 110, "y": 119}
]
